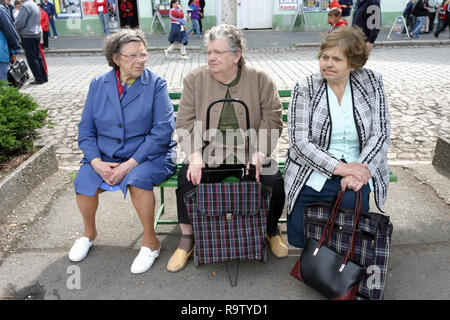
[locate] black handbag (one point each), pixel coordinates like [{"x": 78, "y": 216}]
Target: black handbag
[
  {"x": 333, "y": 275},
  {"x": 18, "y": 73}
]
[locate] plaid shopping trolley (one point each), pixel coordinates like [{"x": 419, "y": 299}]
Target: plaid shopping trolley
[{"x": 229, "y": 218}]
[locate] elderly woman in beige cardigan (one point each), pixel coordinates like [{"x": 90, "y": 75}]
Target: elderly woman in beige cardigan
[{"x": 227, "y": 76}]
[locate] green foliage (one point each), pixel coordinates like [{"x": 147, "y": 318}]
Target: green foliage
[
  {"x": 19, "y": 121},
  {"x": 72, "y": 175}
]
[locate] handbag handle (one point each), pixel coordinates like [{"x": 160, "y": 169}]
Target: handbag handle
[
  {"x": 351, "y": 247},
  {"x": 327, "y": 230},
  {"x": 330, "y": 224}
]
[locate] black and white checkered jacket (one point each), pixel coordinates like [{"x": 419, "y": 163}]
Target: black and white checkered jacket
[{"x": 309, "y": 125}]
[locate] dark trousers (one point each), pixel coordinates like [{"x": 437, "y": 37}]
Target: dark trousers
[
  {"x": 34, "y": 59},
  {"x": 200, "y": 24},
  {"x": 45, "y": 36},
  {"x": 431, "y": 17},
  {"x": 274, "y": 181},
  {"x": 442, "y": 27},
  {"x": 295, "y": 220}
]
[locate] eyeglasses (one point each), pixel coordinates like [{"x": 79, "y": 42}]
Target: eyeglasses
[
  {"x": 132, "y": 57},
  {"x": 216, "y": 53}
]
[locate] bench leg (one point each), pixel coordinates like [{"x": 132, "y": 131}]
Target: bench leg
[{"x": 160, "y": 210}]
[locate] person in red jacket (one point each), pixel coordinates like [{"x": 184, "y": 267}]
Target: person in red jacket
[
  {"x": 334, "y": 4},
  {"x": 445, "y": 17},
  {"x": 178, "y": 35},
  {"x": 102, "y": 9},
  {"x": 126, "y": 10},
  {"x": 45, "y": 22},
  {"x": 335, "y": 18}
]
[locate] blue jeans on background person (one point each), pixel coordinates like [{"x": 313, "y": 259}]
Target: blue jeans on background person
[
  {"x": 196, "y": 26},
  {"x": 420, "y": 22},
  {"x": 4, "y": 68},
  {"x": 104, "y": 19},
  {"x": 52, "y": 24},
  {"x": 295, "y": 220}
]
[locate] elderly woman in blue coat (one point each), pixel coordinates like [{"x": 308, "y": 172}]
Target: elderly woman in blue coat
[{"x": 125, "y": 134}]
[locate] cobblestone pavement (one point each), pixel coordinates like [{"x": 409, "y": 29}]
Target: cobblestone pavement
[{"x": 416, "y": 81}]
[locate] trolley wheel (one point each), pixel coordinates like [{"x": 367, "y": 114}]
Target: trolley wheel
[{"x": 196, "y": 262}]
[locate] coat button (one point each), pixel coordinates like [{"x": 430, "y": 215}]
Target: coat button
[
  {"x": 119, "y": 141},
  {"x": 119, "y": 125}
]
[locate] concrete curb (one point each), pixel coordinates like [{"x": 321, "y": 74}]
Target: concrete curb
[
  {"x": 101, "y": 50},
  {"x": 441, "y": 159},
  {"x": 17, "y": 186},
  {"x": 412, "y": 43},
  {"x": 406, "y": 43}
]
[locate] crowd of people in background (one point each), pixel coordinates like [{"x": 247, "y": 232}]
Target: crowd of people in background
[
  {"x": 34, "y": 29},
  {"x": 420, "y": 16}
]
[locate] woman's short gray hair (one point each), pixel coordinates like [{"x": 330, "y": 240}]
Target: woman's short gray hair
[
  {"x": 236, "y": 41},
  {"x": 114, "y": 43}
]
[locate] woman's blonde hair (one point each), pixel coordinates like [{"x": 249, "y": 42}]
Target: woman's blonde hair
[{"x": 353, "y": 43}]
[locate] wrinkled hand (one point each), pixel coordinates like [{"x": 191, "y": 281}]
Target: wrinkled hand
[
  {"x": 121, "y": 171},
  {"x": 359, "y": 170},
  {"x": 194, "y": 172},
  {"x": 257, "y": 161},
  {"x": 350, "y": 182},
  {"x": 104, "y": 169}
]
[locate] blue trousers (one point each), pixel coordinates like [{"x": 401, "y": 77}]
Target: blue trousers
[
  {"x": 104, "y": 19},
  {"x": 295, "y": 221},
  {"x": 4, "y": 68},
  {"x": 420, "y": 21},
  {"x": 196, "y": 26},
  {"x": 52, "y": 24}
]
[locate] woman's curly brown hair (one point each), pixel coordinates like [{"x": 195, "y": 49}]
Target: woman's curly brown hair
[{"x": 353, "y": 43}]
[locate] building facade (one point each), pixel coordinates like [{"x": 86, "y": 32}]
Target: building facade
[{"x": 79, "y": 17}]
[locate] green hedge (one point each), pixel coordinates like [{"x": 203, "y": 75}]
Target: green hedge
[{"x": 19, "y": 121}]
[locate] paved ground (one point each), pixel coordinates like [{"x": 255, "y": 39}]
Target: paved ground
[
  {"x": 42, "y": 229},
  {"x": 417, "y": 92},
  {"x": 37, "y": 236}
]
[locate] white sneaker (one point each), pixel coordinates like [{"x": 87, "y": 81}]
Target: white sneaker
[
  {"x": 80, "y": 249},
  {"x": 166, "y": 52},
  {"x": 184, "y": 57},
  {"x": 56, "y": 37},
  {"x": 144, "y": 260}
]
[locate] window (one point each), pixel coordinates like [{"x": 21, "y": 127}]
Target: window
[{"x": 316, "y": 5}]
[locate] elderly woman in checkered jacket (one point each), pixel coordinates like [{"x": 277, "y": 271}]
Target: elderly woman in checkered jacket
[{"x": 339, "y": 129}]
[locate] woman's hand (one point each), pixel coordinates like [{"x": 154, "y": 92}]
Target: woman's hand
[
  {"x": 257, "y": 161},
  {"x": 350, "y": 182},
  {"x": 121, "y": 171},
  {"x": 104, "y": 169},
  {"x": 359, "y": 170},
  {"x": 194, "y": 172}
]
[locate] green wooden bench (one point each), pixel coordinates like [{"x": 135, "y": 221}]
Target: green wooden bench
[{"x": 172, "y": 182}]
